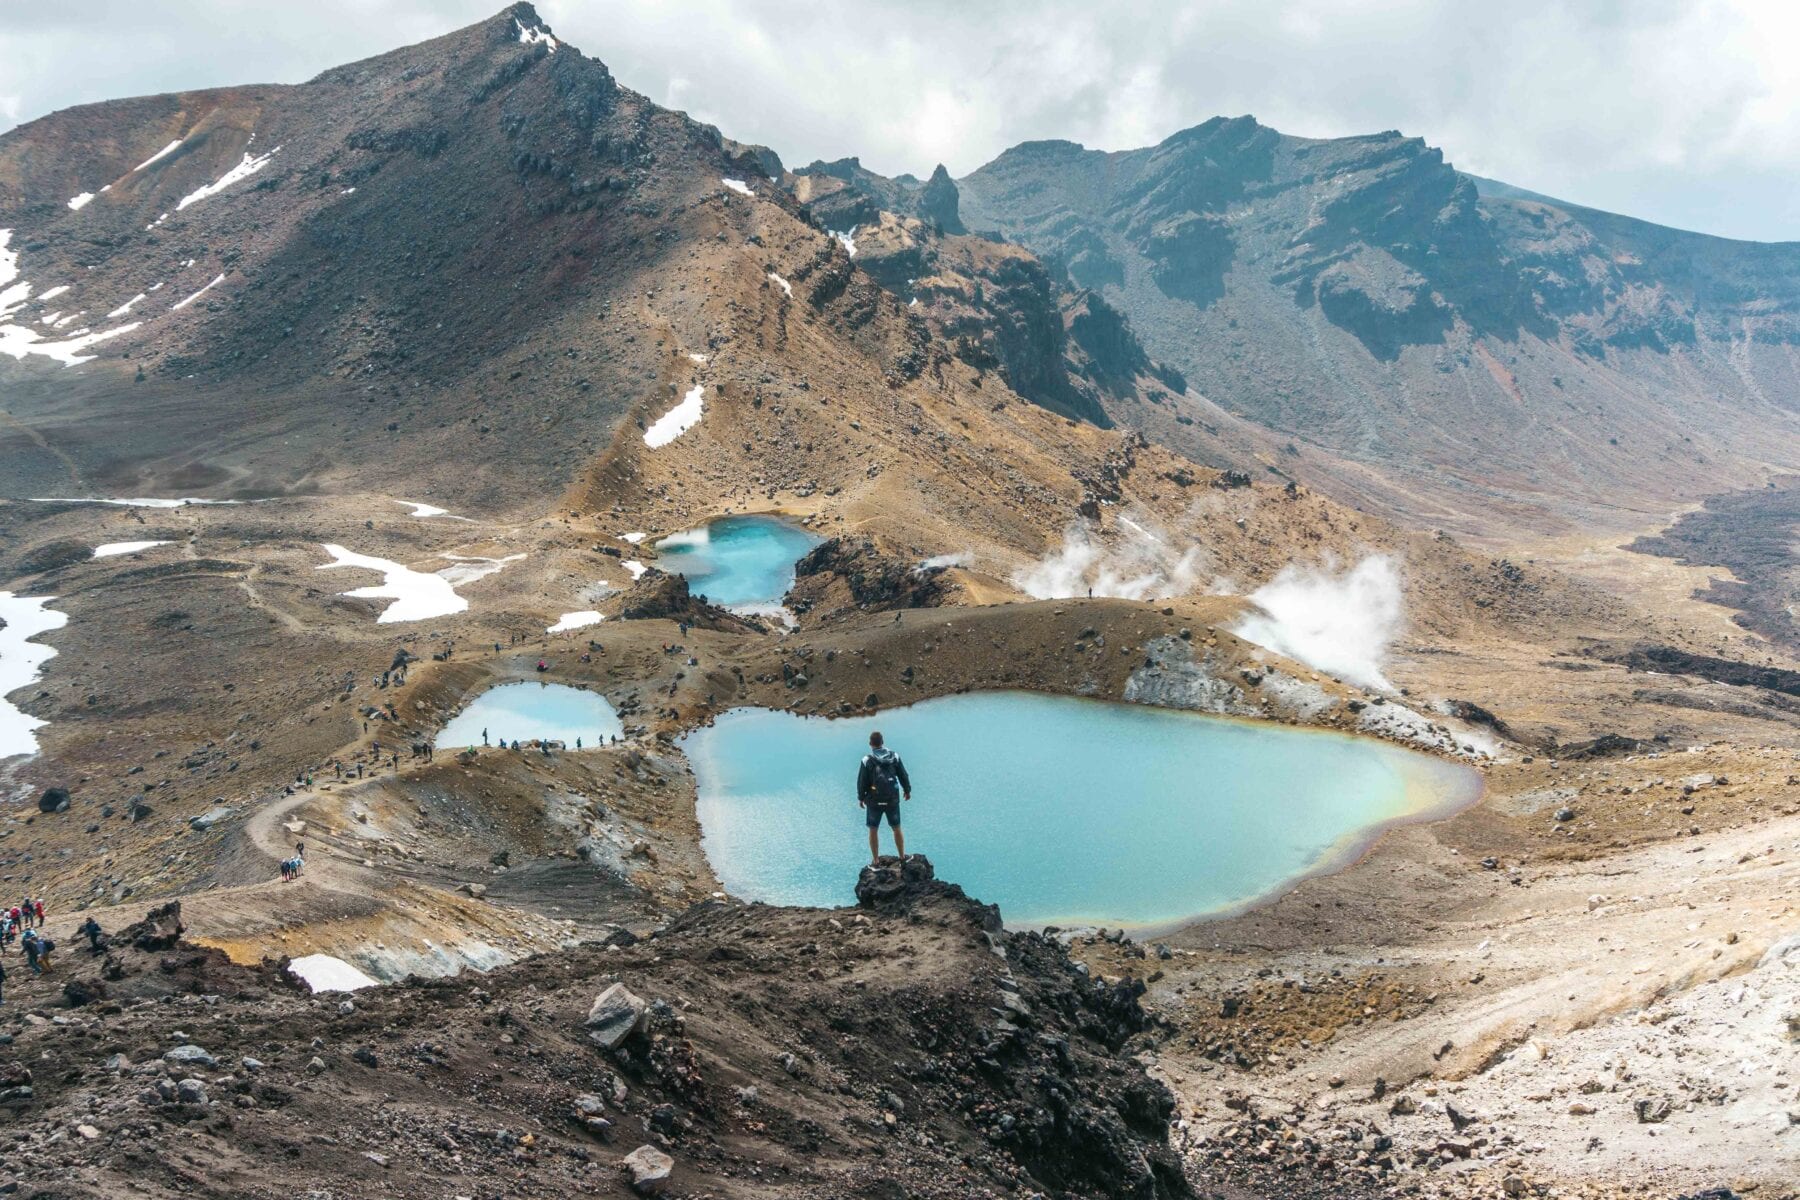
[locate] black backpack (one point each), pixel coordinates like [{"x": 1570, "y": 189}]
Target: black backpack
[{"x": 882, "y": 778}]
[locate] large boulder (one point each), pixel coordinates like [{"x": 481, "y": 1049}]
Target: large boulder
[
  {"x": 54, "y": 800},
  {"x": 160, "y": 929},
  {"x": 890, "y": 880},
  {"x": 617, "y": 1013},
  {"x": 649, "y": 1169},
  {"x": 209, "y": 818}
]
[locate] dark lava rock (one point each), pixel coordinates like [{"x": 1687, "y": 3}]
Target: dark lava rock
[
  {"x": 54, "y": 800},
  {"x": 851, "y": 574},
  {"x": 658, "y": 594},
  {"x": 160, "y": 929}
]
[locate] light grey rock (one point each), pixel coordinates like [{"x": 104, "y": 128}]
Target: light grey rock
[{"x": 616, "y": 1014}]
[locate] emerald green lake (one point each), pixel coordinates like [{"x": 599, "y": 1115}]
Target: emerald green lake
[{"x": 1060, "y": 810}]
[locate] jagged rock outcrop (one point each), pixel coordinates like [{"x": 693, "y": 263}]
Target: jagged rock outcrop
[
  {"x": 939, "y": 202},
  {"x": 944, "y": 1067},
  {"x": 661, "y": 595},
  {"x": 851, "y": 575}
]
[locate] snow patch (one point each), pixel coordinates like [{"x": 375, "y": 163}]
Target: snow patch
[
  {"x": 216, "y": 281},
  {"x": 130, "y": 502},
  {"x": 634, "y": 538},
  {"x": 324, "y": 973},
  {"x": 1340, "y": 624},
  {"x": 469, "y": 568},
  {"x": 19, "y": 341},
  {"x": 784, "y": 284},
  {"x": 847, "y": 239},
  {"x": 54, "y": 292},
  {"x": 530, "y": 34},
  {"x": 110, "y": 549},
  {"x": 738, "y": 186},
  {"x": 676, "y": 421},
  {"x": 21, "y": 619},
  {"x": 421, "y": 509},
  {"x": 163, "y": 153},
  {"x": 416, "y": 595},
  {"x": 575, "y": 620},
  {"x": 250, "y": 165},
  {"x": 77, "y": 203},
  {"x": 634, "y": 568},
  {"x": 126, "y": 307}
]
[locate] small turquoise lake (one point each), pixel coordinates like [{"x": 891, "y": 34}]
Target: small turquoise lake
[
  {"x": 1060, "y": 810},
  {"x": 737, "y": 562},
  {"x": 522, "y": 712}
]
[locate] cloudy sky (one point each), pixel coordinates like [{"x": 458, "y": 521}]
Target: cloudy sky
[{"x": 1680, "y": 111}]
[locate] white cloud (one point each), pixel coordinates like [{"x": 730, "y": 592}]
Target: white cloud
[{"x": 1684, "y": 111}]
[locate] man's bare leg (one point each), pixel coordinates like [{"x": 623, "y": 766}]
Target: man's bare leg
[
  {"x": 874, "y": 843},
  {"x": 899, "y": 843}
]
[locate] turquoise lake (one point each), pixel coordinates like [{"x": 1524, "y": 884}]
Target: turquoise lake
[
  {"x": 1060, "y": 810},
  {"x": 737, "y": 562},
  {"x": 520, "y": 712}
]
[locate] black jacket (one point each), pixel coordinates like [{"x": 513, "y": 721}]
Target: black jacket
[{"x": 865, "y": 775}]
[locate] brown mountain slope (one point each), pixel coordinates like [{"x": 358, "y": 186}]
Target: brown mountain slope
[{"x": 1495, "y": 365}]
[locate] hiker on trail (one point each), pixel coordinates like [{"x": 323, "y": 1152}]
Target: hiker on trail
[
  {"x": 32, "y": 952},
  {"x": 37, "y": 911},
  {"x": 2, "y": 985},
  {"x": 484, "y": 740},
  {"x": 542, "y": 665},
  {"x": 881, "y": 782},
  {"x": 91, "y": 930}
]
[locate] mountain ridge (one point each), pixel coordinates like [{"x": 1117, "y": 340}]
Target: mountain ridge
[{"x": 1278, "y": 273}]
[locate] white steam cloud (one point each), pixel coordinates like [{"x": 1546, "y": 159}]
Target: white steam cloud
[
  {"x": 941, "y": 562},
  {"x": 1340, "y": 624},
  {"x": 1139, "y": 565}
]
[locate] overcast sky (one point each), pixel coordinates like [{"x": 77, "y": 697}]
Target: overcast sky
[{"x": 1680, "y": 111}]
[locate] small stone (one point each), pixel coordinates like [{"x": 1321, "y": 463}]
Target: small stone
[
  {"x": 190, "y": 1055},
  {"x": 87, "y": 1131}
]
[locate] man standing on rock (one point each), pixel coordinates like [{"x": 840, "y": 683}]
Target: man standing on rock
[{"x": 881, "y": 782}]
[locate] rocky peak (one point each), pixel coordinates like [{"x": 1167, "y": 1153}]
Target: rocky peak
[{"x": 939, "y": 203}]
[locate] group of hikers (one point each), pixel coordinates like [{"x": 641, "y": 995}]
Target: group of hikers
[
  {"x": 23, "y": 923},
  {"x": 291, "y": 867},
  {"x": 545, "y": 744}
]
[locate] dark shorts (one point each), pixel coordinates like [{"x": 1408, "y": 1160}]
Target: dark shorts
[{"x": 873, "y": 813}]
